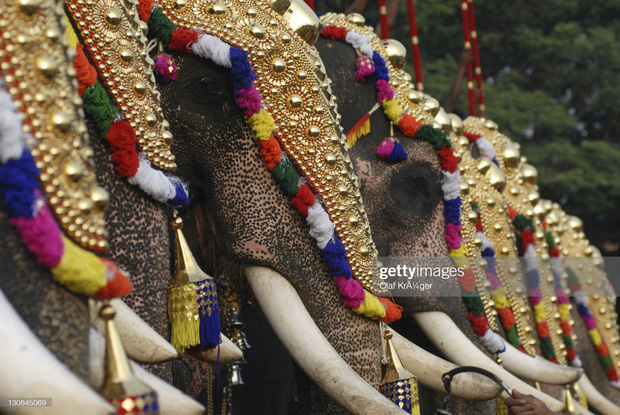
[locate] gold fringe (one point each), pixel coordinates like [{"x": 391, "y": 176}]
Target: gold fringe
[
  {"x": 583, "y": 401},
  {"x": 360, "y": 132},
  {"x": 403, "y": 393},
  {"x": 500, "y": 407},
  {"x": 184, "y": 318}
]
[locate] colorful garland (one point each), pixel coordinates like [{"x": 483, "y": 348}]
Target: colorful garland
[
  {"x": 121, "y": 136},
  {"x": 563, "y": 303},
  {"x": 261, "y": 122},
  {"x": 528, "y": 243},
  {"x": 79, "y": 270},
  {"x": 372, "y": 67},
  {"x": 498, "y": 291},
  {"x": 581, "y": 298}
]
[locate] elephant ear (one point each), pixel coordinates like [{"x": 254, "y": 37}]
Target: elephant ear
[{"x": 47, "y": 170}]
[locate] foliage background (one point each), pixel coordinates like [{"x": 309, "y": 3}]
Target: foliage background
[{"x": 552, "y": 83}]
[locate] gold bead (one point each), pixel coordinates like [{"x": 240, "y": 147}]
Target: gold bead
[
  {"x": 464, "y": 188},
  {"x": 295, "y": 101},
  {"x": 47, "y": 66},
  {"x": 144, "y": 28},
  {"x": 497, "y": 226},
  {"x": 472, "y": 216},
  {"x": 431, "y": 105},
  {"x": 496, "y": 178},
  {"x": 528, "y": 329},
  {"x": 364, "y": 251},
  {"x": 114, "y": 18},
  {"x": 140, "y": 88},
  {"x": 343, "y": 190},
  {"x": 85, "y": 205},
  {"x": 511, "y": 155},
  {"x": 314, "y": 131},
  {"x": 126, "y": 55},
  {"x": 74, "y": 171},
  {"x": 330, "y": 159},
  {"x": 490, "y": 125},
  {"x": 354, "y": 220},
  {"x": 478, "y": 242},
  {"x": 167, "y": 137},
  {"x": 61, "y": 121},
  {"x": 29, "y": 7},
  {"x": 533, "y": 196},
  {"x": 151, "y": 120},
  {"x": 257, "y": 31},
  {"x": 279, "y": 65},
  {"x": 414, "y": 97},
  {"x": 280, "y": 6},
  {"x": 251, "y": 11},
  {"x": 530, "y": 174},
  {"x": 179, "y": 4},
  {"x": 302, "y": 75},
  {"x": 483, "y": 165},
  {"x": 219, "y": 9},
  {"x": 356, "y": 19},
  {"x": 491, "y": 201},
  {"x": 471, "y": 182}
]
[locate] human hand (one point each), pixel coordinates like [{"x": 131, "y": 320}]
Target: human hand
[{"x": 521, "y": 404}]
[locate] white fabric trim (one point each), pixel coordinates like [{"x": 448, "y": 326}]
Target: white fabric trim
[
  {"x": 210, "y": 47},
  {"x": 361, "y": 42},
  {"x": 451, "y": 185},
  {"x": 531, "y": 260},
  {"x": 12, "y": 138},
  {"x": 486, "y": 243},
  {"x": 321, "y": 227},
  {"x": 153, "y": 182},
  {"x": 581, "y": 298},
  {"x": 486, "y": 148},
  {"x": 493, "y": 342}
]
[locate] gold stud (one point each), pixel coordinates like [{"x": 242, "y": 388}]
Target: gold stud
[
  {"x": 61, "y": 121},
  {"x": 343, "y": 190},
  {"x": 251, "y": 11},
  {"x": 114, "y": 18},
  {"x": 354, "y": 220},
  {"x": 330, "y": 159},
  {"x": 219, "y": 9},
  {"x": 280, "y": 6},
  {"x": 498, "y": 227},
  {"x": 85, "y": 205},
  {"x": 126, "y": 56},
  {"x": 47, "y": 66},
  {"x": 257, "y": 31},
  {"x": 151, "y": 120},
  {"x": 364, "y": 251},
  {"x": 29, "y": 7},
  {"x": 279, "y": 65},
  {"x": 74, "y": 171},
  {"x": 530, "y": 174},
  {"x": 167, "y": 137},
  {"x": 511, "y": 155},
  {"x": 397, "y": 53},
  {"x": 490, "y": 125},
  {"x": 356, "y": 19},
  {"x": 483, "y": 165},
  {"x": 100, "y": 198},
  {"x": 302, "y": 75},
  {"x": 414, "y": 97},
  {"x": 464, "y": 188},
  {"x": 472, "y": 216},
  {"x": 314, "y": 131},
  {"x": 514, "y": 190},
  {"x": 140, "y": 88}
]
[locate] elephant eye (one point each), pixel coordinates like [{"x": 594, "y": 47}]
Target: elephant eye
[{"x": 416, "y": 187}]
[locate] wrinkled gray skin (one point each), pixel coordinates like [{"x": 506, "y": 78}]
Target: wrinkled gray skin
[
  {"x": 249, "y": 219},
  {"x": 403, "y": 200}
]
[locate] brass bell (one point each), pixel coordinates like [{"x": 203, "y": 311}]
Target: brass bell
[{"x": 235, "y": 375}]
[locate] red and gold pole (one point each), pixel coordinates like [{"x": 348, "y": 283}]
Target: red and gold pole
[
  {"x": 383, "y": 18},
  {"x": 476, "y": 51},
  {"x": 470, "y": 72},
  {"x": 415, "y": 46}
]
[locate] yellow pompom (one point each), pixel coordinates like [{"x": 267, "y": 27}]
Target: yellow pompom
[
  {"x": 595, "y": 336},
  {"x": 79, "y": 270},
  {"x": 501, "y": 302},
  {"x": 262, "y": 124},
  {"x": 460, "y": 257},
  {"x": 371, "y": 307},
  {"x": 564, "y": 311},
  {"x": 499, "y": 292},
  {"x": 539, "y": 312},
  {"x": 392, "y": 110}
]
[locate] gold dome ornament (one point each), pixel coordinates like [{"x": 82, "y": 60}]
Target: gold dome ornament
[
  {"x": 192, "y": 299},
  {"x": 120, "y": 386},
  {"x": 303, "y": 21},
  {"x": 397, "y": 53},
  {"x": 398, "y": 384}
]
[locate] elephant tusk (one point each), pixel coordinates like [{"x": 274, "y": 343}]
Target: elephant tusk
[
  {"x": 429, "y": 368},
  {"x": 141, "y": 342},
  {"x": 29, "y": 370},
  {"x": 451, "y": 341},
  {"x": 228, "y": 353},
  {"x": 304, "y": 341},
  {"x": 171, "y": 400},
  {"x": 538, "y": 369},
  {"x": 596, "y": 399}
]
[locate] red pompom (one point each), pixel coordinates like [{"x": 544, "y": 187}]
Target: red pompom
[
  {"x": 447, "y": 159},
  {"x": 183, "y": 39},
  {"x": 554, "y": 252},
  {"x": 472, "y": 137},
  {"x": 303, "y": 199},
  {"x": 468, "y": 280},
  {"x": 507, "y": 317},
  {"x": 527, "y": 238},
  {"x": 543, "y": 330},
  {"x": 480, "y": 323},
  {"x": 122, "y": 139},
  {"x": 119, "y": 286},
  {"x": 335, "y": 32},
  {"x": 86, "y": 73},
  {"x": 393, "y": 311},
  {"x": 145, "y": 8},
  {"x": 409, "y": 125},
  {"x": 271, "y": 152}
]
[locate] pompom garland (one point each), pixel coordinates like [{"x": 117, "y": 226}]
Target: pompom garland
[
  {"x": 377, "y": 71},
  {"x": 79, "y": 270},
  {"x": 528, "y": 242},
  {"x": 581, "y": 298},
  {"x": 165, "y": 70},
  {"x": 263, "y": 126},
  {"x": 122, "y": 139},
  {"x": 498, "y": 291}
]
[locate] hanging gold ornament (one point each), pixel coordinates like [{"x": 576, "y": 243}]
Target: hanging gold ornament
[{"x": 398, "y": 384}]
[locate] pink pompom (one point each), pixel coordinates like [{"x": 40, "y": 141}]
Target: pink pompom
[
  {"x": 384, "y": 91},
  {"x": 453, "y": 240},
  {"x": 365, "y": 68},
  {"x": 165, "y": 69},
  {"x": 494, "y": 280},
  {"x": 351, "y": 290},
  {"x": 249, "y": 100},
  {"x": 385, "y": 149},
  {"x": 42, "y": 237}
]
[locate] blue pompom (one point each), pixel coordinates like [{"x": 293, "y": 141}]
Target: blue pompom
[
  {"x": 180, "y": 198},
  {"x": 19, "y": 178},
  {"x": 381, "y": 70},
  {"x": 452, "y": 210},
  {"x": 242, "y": 72},
  {"x": 334, "y": 255},
  {"x": 398, "y": 153}
]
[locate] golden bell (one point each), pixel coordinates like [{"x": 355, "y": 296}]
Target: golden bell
[
  {"x": 303, "y": 21},
  {"x": 530, "y": 174},
  {"x": 457, "y": 124},
  {"x": 496, "y": 177},
  {"x": 431, "y": 105},
  {"x": 442, "y": 121},
  {"x": 397, "y": 53},
  {"x": 512, "y": 155},
  {"x": 120, "y": 386},
  {"x": 398, "y": 384}
]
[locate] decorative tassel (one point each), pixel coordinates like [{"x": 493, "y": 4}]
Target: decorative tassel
[
  {"x": 120, "y": 386},
  {"x": 390, "y": 149},
  {"x": 192, "y": 300},
  {"x": 500, "y": 407},
  {"x": 365, "y": 68},
  {"x": 398, "y": 384},
  {"x": 568, "y": 400},
  {"x": 165, "y": 69},
  {"x": 361, "y": 128}
]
